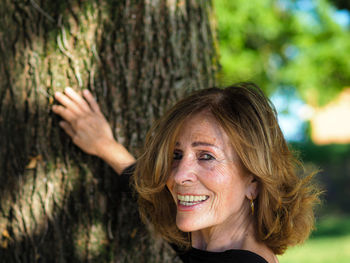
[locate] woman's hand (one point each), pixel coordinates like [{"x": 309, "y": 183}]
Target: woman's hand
[{"x": 84, "y": 122}]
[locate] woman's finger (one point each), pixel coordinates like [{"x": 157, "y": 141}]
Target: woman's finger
[
  {"x": 92, "y": 102},
  {"x": 79, "y": 101},
  {"x": 67, "y": 128},
  {"x": 65, "y": 113},
  {"x": 67, "y": 102}
]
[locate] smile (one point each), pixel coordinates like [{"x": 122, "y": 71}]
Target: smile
[{"x": 190, "y": 200}]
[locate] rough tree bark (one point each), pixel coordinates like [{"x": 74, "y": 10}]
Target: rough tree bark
[{"x": 137, "y": 57}]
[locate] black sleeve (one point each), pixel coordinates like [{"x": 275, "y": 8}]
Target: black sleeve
[{"x": 125, "y": 177}]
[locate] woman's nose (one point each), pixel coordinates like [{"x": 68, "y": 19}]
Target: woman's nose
[{"x": 185, "y": 173}]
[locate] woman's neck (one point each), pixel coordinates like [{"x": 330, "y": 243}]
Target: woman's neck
[
  {"x": 235, "y": 233},
  {"x": 239, "y": 236}
]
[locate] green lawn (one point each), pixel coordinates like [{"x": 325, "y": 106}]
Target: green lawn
[
  {"x": 320, "y": 250},
  {"x": 330, "y": 243}
]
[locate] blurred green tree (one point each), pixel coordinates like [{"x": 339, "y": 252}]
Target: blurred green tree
[{"x": 284, "y": 43}]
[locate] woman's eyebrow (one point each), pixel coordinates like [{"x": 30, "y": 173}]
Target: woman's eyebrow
[
  {"x": 199, "y": 143},
  {"x": 194, "y": 144}
]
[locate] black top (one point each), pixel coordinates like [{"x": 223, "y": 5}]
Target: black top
[
  {"x": 229, "y": 256},
  {"x": 201, "y": 256}
]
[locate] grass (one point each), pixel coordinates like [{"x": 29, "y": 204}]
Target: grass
[
  {"x": 320, "y": 250},
  {"x": 330, "y": 243}
]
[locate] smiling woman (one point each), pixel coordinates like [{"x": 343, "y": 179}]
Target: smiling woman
[
  {"x": 226, "y": 145},
  {"x": 216, "y": 178},
  {"x": 207, "y": 168}
]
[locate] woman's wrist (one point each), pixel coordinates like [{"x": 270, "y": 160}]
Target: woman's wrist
[
  {"x": 115, "y": 154},
  {"x": 103, "y": 147}
]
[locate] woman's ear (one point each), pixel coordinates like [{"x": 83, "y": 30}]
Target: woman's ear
[{"x": 252, "y": 188}]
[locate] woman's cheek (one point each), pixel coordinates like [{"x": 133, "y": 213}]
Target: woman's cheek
[{"x": 218, "y": 173}]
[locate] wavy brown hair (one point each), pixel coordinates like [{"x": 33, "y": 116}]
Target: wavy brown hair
[{"x": 284, "y": 206}]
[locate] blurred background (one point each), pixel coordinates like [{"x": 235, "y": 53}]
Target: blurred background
[{"x": 299, "y": 53}]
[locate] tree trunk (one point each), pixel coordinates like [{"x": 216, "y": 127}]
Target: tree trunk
[{"x": 58, "y": 204}]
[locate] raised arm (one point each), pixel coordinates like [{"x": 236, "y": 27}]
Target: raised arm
[{"x": 84, "y": 122}]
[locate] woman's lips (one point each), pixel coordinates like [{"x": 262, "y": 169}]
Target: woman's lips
[{"x": 187, "y": 202}]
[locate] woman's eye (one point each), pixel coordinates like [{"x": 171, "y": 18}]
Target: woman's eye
[
  {"x": 206, "y": 157},
  {"x": 177, "y": 156}
]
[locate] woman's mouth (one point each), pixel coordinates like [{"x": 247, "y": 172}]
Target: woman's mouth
[{"x": 191, "y": 200}]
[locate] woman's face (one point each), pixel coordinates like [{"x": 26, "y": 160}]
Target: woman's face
[{"x": 207, "y": 181}]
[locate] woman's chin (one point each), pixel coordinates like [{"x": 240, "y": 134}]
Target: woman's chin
[{"x": 187, "y": 225}]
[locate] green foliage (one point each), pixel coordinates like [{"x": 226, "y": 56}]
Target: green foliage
[
  {"x": 278, "y": 43},
  {"x": 332, "y": 226},
  {"x": 332, "y": 153},
  {"x": 333, "y": 162}
]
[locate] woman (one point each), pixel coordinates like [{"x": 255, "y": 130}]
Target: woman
[{"x": 216, "y": 178}]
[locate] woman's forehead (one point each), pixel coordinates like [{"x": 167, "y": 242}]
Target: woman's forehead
[{"x": 202, "y": 127}]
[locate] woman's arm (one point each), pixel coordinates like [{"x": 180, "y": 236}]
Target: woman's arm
[{"x": 84, "y": 122}]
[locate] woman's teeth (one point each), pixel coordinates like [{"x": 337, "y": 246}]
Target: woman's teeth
[{"x": 189, "y": 200}]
